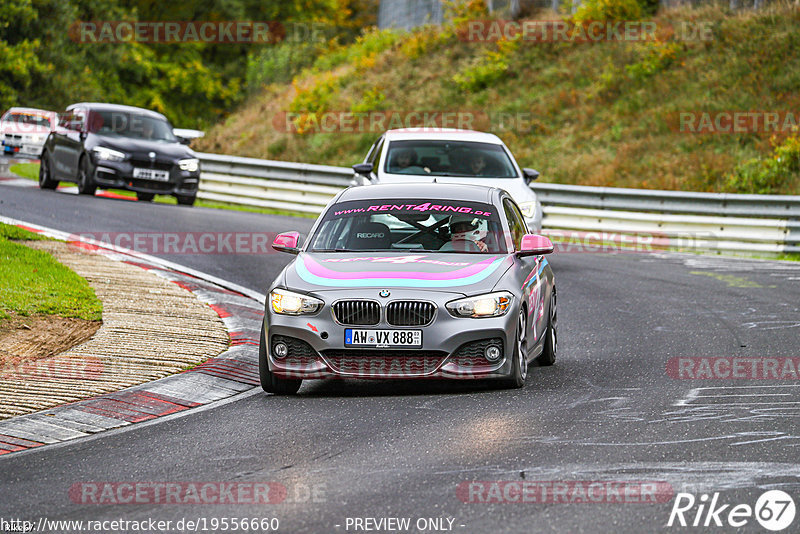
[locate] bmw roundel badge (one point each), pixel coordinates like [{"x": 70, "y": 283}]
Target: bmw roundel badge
[{"x": 384, "y": 293}]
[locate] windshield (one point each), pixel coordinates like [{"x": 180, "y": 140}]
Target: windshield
[
  {"x": 132, "y": 125},
  {"x": 392, "y": 225},
  {"x": 31, "y": 119},
  {"x": 448, "y": 158}
]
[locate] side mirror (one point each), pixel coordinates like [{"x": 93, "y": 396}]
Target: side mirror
[
  {"x": 184, "y": 140},
  {"x": 530, "y": 175},
  {"x": 363, "y": 169},
  {"x": 534, "y": 245},
  {"x": 287, "y": 242}
]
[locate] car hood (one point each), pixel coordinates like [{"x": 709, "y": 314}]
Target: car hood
[
  {"x": 143, "y": 147},
  {"x": 516, "y": 187},
  {"x": 460, "y": 273}
]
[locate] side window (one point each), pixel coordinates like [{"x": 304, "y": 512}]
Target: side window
[
  {"x": 76, "y": 120},
  {"x": 64, "y": 118},
  {"x": 515, "y": 222}
]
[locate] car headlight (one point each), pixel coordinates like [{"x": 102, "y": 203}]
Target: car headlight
[
  {"x": 528, "y": 209},
  {"x": 190, "y": 165},
  {"x": 106, "y": 154},
  {"x": 37, "y": 138},
  {"x": 287, "y": 302},
  {"x": 488, "y": 305}
]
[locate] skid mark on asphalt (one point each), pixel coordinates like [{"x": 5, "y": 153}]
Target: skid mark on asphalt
[
  {"x": 738, "y": 404},
  {"x": 692, "y": 477}
]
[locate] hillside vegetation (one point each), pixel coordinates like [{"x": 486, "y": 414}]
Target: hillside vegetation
[
  {"x": 47, "y": 61},
  {"x": 582, "y": 113}
]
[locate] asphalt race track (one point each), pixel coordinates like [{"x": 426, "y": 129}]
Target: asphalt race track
[{"x": 607, "y": 411}]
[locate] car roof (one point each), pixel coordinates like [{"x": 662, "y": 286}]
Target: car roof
[
  {"x": 102, "y": 106},
  {"x": 442, "y": 134},
  {"x": 34, "y": 111},
  {"x": 426, "y": 191}
]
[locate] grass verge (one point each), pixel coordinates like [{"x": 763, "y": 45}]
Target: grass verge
[
  {"x": 32, "y": 282},
  {"x": 26, "y": 170}
]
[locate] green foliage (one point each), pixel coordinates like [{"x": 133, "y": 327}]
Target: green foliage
[
  {"x": 371, "y": 100},
  {"x": 486, "y": 69},
  {"x": 590, "y": 10},
  {"x": 43, "y": 62},
  {"x": 363, "y": 51},
  {"x": 771, "y": 174},
  {"x": 279, "y": 63},
  {"x": 657, "y": 57}
]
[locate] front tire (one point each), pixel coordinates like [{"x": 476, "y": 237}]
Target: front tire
[
  {"x": 519, "y": 362},
  {"x": 185, "y": 200},
  {"x": 86, "y": 185},
  {"x": 548, "y": 356},
  {"x": 270, "y": 382},
  {"x": 45, "y": 176}
]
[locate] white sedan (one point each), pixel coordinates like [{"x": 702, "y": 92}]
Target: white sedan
[
  {"x": 450, "y": 156},
  {"x": 23, "y": 131}
]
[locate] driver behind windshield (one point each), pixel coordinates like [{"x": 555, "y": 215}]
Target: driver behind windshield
[
  {"x": 467, "y": 233},
  {"x": 405, "y": 162}
]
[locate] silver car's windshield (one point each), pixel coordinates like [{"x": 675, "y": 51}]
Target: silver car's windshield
[
  {"x": 448, "y": 158},
  {"x": 32, "y": 119},
  {"x": 392, "y": 225}
]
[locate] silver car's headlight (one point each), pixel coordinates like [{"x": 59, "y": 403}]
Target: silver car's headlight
[
  {"x": 488, "y": 305},
  {"x": 528, "y": 209},
  {"x": 190, "y": 165},
  {"x": 287, "y": 302},
  {"x": 106, "y": 154}
]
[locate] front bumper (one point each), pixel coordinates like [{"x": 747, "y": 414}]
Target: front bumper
[
  {"x": 31, "y": 150},
  {"x": 119, "y": 175},
  {"x": 451, "y": 347}
]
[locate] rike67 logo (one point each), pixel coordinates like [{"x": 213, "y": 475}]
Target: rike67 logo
[{"x": 774, "y": 510}]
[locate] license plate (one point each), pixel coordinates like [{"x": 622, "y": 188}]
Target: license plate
[
  {"x": 151, "y": 174},
  {"x": 382, "y": 338}
]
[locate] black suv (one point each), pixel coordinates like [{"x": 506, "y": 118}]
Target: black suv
[{"x": 120, "y": 147}]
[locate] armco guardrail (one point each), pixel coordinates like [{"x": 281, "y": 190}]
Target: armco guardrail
[
  {"x": 270, "y": 184},
  {"x": 762, "y": 224}
]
